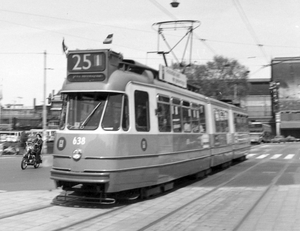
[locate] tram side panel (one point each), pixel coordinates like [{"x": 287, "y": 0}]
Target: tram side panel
[
  {"x": 189, "y": 152},
  {"x": 179, "y": 154},
  {"x": 241, "y": 137},
  {"x": 220, "y": 136}
]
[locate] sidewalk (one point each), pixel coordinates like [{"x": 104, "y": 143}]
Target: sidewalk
[{"x": 16, "y": 202}]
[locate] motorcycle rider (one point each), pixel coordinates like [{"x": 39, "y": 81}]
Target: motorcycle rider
[{"x": 38, "y": 144}]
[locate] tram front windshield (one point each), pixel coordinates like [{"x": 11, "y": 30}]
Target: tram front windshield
[{"x": 85, "y": 111}]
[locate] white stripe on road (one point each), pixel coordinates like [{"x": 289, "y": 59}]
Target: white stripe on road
[
  {"x": 289, "y": 156},
  {"x": 262, "y": 156},
  {"x": 275, "y": 156},
  {"x": 250, "y": 155}
]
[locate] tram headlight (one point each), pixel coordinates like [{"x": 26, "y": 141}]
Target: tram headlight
[{"x": 77, "y": 154}]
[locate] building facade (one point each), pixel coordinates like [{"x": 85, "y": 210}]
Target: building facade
[
  {"x": 258, "y": 102},
  {"x": 285, "y": 94},
  {"x": 17, "y": 117}
]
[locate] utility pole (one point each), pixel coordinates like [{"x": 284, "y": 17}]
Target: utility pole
[{"x": 44, "y": 149}]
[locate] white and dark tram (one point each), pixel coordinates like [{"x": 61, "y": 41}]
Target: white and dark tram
[{"x": 124, "y": 129}]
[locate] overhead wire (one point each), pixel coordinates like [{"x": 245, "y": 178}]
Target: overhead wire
[
  {"x": 52, "y": 31},
  {"x": 205, "y": 41},
  {"x": 249, "y": 26},
  {"x": 72, "y": 20},
  {"x": 163, "y": 9}
]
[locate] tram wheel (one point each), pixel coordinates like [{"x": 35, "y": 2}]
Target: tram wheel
[{"x": 24, "y": 164}]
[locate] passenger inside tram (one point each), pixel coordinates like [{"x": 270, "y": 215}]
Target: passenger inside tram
[{"x": 141, "y": 121}]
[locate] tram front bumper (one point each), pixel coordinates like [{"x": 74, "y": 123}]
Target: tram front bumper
[{"x": 79, "y": 177}]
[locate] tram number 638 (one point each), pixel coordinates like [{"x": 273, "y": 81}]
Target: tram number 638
[{"x": 78, "y": 140}]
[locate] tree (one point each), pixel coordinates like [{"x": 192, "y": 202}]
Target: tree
[{"x": 222, "y": 78}]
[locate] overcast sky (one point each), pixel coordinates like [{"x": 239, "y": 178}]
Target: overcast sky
[{"x": 250, "y": 31}]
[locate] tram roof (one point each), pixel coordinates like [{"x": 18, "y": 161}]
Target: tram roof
[{"x": 116, "y": 74}]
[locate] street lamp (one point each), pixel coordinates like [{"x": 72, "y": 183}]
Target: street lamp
[{"x": 174, "y": 3}]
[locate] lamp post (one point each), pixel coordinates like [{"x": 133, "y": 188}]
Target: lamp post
[{"x": 44, "y": 149}]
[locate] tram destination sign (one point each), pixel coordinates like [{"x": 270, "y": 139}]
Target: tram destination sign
[
  {"x": 87, "y": 66},
  {"x": 171, "y": 76},
  {"x": 86, "y": 77}
]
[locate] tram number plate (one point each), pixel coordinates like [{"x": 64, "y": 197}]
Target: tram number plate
[{"x": 79, "y": 140}]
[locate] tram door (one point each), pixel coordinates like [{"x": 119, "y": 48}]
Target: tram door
[{"x": 143, "y": 120}]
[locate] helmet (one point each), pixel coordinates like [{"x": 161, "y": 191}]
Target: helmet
[{"x": 39, "y": 135}]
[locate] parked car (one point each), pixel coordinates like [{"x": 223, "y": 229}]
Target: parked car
[
  {"x": 292, "y": 139},
  {"x": 279, "y": 139}
]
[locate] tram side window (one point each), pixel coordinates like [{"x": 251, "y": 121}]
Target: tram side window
[
  {"x": 141, "y": 104},
  {"x": 195, "y": 116},
  {"x": 112, "y": 115},
  {"x": 163, "y": 114},
  {"x": 240, "y": 123},
  {"x": 125, "y": 119},
  {"x": 221, "y": 121},
  {"x": 237, "y": 124},
  {"x": 198, "y": 119},
  {"x": 186, "y": 116},
  {"x": 62, "y": 121},
  {"x": 245, "y": 124},
  {"x": 176, "y": 115},
  {"x": 202, "y": 119}
]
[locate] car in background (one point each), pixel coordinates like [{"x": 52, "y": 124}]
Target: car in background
[
  {"x": 279, "y": 139},
  {"x": 292, "y": 139}
]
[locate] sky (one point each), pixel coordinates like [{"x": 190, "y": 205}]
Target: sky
[{"x": 31, "y": 34}]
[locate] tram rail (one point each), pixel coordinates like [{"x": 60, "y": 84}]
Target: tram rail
[{"x": 89, "y": 218}]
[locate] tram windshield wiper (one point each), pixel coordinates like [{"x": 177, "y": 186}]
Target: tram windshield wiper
[{"x": 88, "y": 118}]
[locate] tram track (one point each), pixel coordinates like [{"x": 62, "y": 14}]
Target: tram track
[
  {"x": 201, "y": 196},
  {"x": 111, "y": 210},
  {"x": 239, "y": 223},
  {"x": 213, "y": 183},
  {"x": 34, "y": 212},
  {"x": 105, "y": 210},
  {"x": 88, "y": 219},
  {"x": 25, "y": 211},
  {"x": 273, "y": 182}
]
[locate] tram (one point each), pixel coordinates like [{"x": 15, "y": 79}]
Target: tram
[{"x": 128, "y": 129}]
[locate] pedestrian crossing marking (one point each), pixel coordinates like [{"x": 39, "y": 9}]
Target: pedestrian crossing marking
[
  {"x": 289, "y": 156},
  {"x": 250, "y": 155},
  {"x": 262, "y": 156},
  {"x": 272, "y": 156},
  {"x": 276, "y": 156}
]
